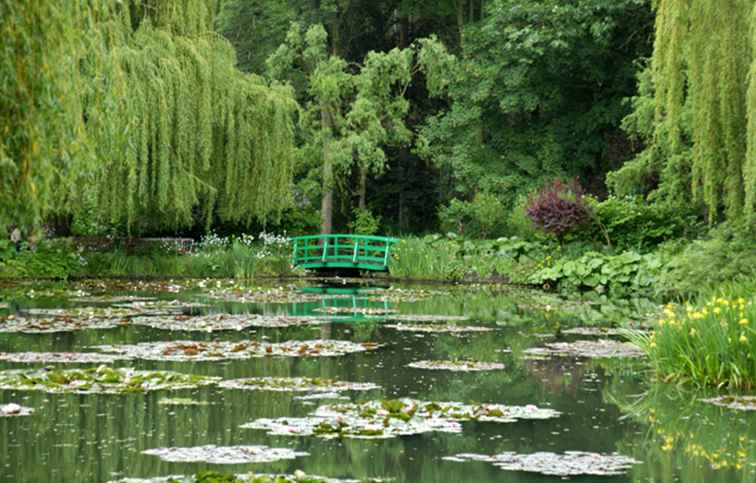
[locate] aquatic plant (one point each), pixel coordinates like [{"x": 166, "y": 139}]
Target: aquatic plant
[
  {"x": 221, "y": 350},
  {"x": 712, "y": 343},
  {"x": 102, "y": 380},
  {"x": 296, "y": 384},
  {"x": 570, "y": 463},
  {"x": 225, "y": 455},
  {"x": 586, "y": 348},
  {"x": 457, "y": 366}
]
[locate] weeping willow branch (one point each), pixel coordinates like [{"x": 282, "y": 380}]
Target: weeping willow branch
[{"x": 153, "y": 126}]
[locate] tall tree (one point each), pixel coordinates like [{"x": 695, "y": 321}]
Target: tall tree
[
  {"x": 351, "y": 112},
  {"x": 700, "y": 92},
  {"x": 162, "y": 124},
  {"x": 537, "y": 93}
]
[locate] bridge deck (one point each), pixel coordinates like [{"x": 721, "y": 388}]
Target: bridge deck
[{"x": 342, "y": 251}]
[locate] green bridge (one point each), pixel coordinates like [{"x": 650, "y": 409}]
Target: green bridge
[{"x": 342, "y": 251}]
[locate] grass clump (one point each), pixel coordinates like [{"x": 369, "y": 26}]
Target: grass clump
[{"x": 712, "y": 343}]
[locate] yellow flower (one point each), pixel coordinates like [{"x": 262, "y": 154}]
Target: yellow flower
[
  {"x": 743, "y": 339},
  {"x": 717, "y": 310},
  {"x": 693, "y": 332},
  {"x": 743, "y": 321}
]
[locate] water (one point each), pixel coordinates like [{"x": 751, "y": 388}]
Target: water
[{"x": 607, "y": 406}]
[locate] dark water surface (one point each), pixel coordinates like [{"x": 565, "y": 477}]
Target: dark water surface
[{"x": 607, "y": 406}]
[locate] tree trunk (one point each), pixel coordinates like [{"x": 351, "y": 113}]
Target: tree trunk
[
  {"x": 362, "y": 189},
  {"x": 326, "y": 203}
]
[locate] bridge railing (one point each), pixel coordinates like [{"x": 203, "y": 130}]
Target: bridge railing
[{"x": 342, "y": 251}]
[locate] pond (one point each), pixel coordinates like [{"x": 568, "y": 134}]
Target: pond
[{"x": 347, "y": 381}]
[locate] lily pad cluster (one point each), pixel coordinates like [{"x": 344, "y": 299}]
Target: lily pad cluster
[
  {"x": 217, "y": 322},
  {"x": 181, "y": 401},
  {"x": 60, "y": 357},
  {"x": 355, "y": 310},
  {"x": 259, "y": 295},
  {"x": 297, "y": 384},
  {"x": 102, "y": 380},
  {"x": 439, "y": 329},
  {"x": 596, "y": 331},
  {"x": 738, "y": 403},
  {"x": 60, "y": 323},
  {"x": 458, "y": 366},
  {"x": 225, "y": 455},
  {"x": 426, "y": 318},
  {"x": 297, "y": 477},
  {"x": 221, "y": 350},
  {"x": 395, "y": 417},
  {"x": 12, "y": 409},
  {"x": 586, "y": 348},
  {"x": 570, "y": 463}
]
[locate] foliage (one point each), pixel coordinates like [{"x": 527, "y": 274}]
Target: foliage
[
  {"x": 364, "y": 223},
  {"x": 710, "y": 344},
  {"x": 625, "y": 273},
  {"x": 727, "y": 254},
  {"x": 135, "y": 111},
  {"x": 483, "y": 217},
  {"x": 631, "y": 223},
  {"x": 559, "y": 209},
  {"x": 48, "y": 260},
  {"x": 701, "y": 91},
  {"x": 536, "y": 94},
  {"x": 452, "y": 258}
]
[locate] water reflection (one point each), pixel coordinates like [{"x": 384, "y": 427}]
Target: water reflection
[{"x": 99, "y": 437}]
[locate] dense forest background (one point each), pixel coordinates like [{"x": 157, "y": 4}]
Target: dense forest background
[{"x": 403, "y": 116}]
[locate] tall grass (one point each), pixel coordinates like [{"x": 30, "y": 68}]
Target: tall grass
[{"x": 710, "y": 343}]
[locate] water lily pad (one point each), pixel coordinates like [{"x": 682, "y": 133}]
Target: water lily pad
[
  {"x": 595, "y": 331},
  {"x": 426, "y": 318},
  {"x": 60, "y": 357},
  {"x": 739, "y": 403},
  {"x": 355, "y": 310},
  {"x": 321, "y": 395},
  {"x": 392, "y": 418},
  {"x": 440, "y": 329},
  {"x": 161, "y": 306},
  {"x": 216, "y": 322},
  {"x": 297, "y": 477},
  {"x": 102, "y": 380},
  {"x": 181, "y": 401},
  {"x": 111, "y": 299},
  {"x": 296, "y": 384},
  {"x": 225, "y": 455},
  {"x": 221, "y": 350},
  {"x": 83, "y": 312},
  {"x": 570, "y": 463},
  {"x": 12, "y": 409},
  {"x": 33, "y": 325},
  {"x": 459, "y": 366},
  {"x": 586, "y": 348},
  {"x": 260, "y": 295}
]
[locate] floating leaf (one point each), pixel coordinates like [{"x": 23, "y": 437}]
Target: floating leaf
[
  {"x": 296, "y": 384},
  {"x": 459, "y": 366},
  {"x": 355, "y": 310},
  {"x": 103, "y": 380},
  {"x": 181, "y": 401},
  {"x": 586, "y": 348},
  {"x": 394, "y": 417},
  {"x": 220, "y": 350},
  {"x": 739, "y": 403},
  {"x": 13, "y": 409},
  {"x": 216, "y": 322},
  {"x": 433, "y": 328},
  {"x": 570, "y": 463},
  {"x": 225, "y": 455},
  {"x": 60, "y": 357}
]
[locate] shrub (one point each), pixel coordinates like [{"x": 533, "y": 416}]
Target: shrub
[
  {"x": 712, "y": 344},
  {"x": 559, "y": 209},
  {"x": 729, "y": 253},
  {"x": 483, "y": 217},
  {"x": 627, "y": 272},
  {"x": 631, "y": 222},
  {"x": 365, "y": 223}
]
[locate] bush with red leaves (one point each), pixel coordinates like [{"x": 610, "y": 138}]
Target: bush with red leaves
[{"x": 559, "y": 208}]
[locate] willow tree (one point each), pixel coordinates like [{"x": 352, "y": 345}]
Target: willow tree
[
  {"x": 703, "y": 73},
  {"x": 158, "y": 127},
  {"x": 351, "y": 112}
]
